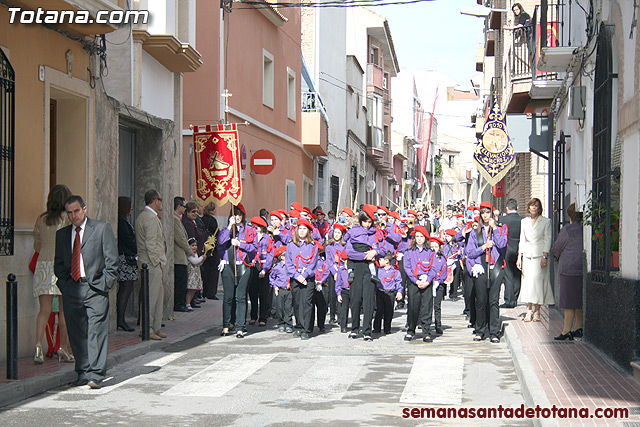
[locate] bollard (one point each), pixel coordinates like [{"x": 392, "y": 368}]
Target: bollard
[
  {"x": 144, "y": 315},
  {"x": 12, "y": 327}
]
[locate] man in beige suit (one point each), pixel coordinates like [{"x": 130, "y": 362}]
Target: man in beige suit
[
  {"x": 151, "y": 251},
  {"x": 181, "y": 250}
]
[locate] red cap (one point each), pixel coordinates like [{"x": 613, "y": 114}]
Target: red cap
[
  {"x": 312, "y": 216},
  {"x": 277, "y": 214},
  {"x": 412, "y": 212},
  {"x": 294, "y": 213},
  {"x": 258, "y": 220},
  {"x": 371, "y": 211},
  {"x": 348, "y": 211},
  {"x": 435, "y": 239},
  {"x": 396, "y": 215},
  {"x": 486, "y": 205},
  {"x": 297, "y": 206},
  {"x": 476, "y": 218},
  {"x": 422, "y": 229},
  {"x": 341, "y": 228},
  {"x": 305, "y": 223},
  {"x": 319, "y": 212},
  {"x": 451, "y": 232},
  {"x": 307, "y": 210},
  {"x": 280, "y": 250},
  {"x": 343, "y": 255},
  {"x": 239, "y": 206},
  {"x": 384, "y": 208},
  {"x": 284, "y": 213},
  {"x": 459, "y": 215}
]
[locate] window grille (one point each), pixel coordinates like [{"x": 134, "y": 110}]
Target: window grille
[{"x": 7, "y": 141}]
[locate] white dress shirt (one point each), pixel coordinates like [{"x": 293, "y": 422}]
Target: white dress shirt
[{"x": 73, "y": 238}]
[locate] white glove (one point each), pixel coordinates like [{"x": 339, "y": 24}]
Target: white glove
[
  {"x": 435, "y": 287},
  {"x": 221, "y": 265},
  {"x": 400, "y": 256},
  {"x": 423, "y": 278},
  {"x": 450, "y": 262},
  {"x": 319, "y": 288},
  {"x": 477, "y": 270}
]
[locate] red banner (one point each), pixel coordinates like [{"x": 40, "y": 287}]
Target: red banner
[{"x": 217, "y": 158}]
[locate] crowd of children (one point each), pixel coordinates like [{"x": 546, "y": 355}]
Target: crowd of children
[{"x": 300, "y": 268}]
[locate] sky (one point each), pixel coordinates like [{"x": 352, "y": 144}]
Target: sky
[{"x": 434, "y": 36}]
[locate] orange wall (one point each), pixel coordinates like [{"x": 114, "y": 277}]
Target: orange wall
[
  {"x": 30, "y": 46},
  {"x": 250, "y": 32}
]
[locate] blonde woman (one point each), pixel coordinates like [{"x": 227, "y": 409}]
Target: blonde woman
[
  {"x": 44, "y": 280},
  {"x": 533, "y": 260}
]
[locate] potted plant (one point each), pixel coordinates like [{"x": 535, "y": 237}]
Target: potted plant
[{"x": 594, "y": 215}]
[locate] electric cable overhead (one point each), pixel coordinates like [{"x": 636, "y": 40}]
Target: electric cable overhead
[{"x": 330, "y": 3}]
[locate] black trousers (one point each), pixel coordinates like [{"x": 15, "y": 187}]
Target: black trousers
[
  {"x": 469, "y": 293},
  {"x": 385, "y": 300},
  {"x": 343, "y": 318},
  {"x": 320, "y": 306},
  {"x": 210, "y": 275},
  {"x": 259, "y": 296},
  {"x": 420, "y": 308},
  {"x": 487, "y": 305},
  {"x": 284, "y": 308},
  {"x": 180, "y": 278},
  {"x": 333, "y": 298},
  {"x": 405, "y": 279},
  {"x": 437, "y": 303},
  {"x": 363, "y": 295},
  {"x": 457, "y": 279},
  {"x": 234, "y": 304},
  {"x": 303, "y": 305},
  {"x": 512, "y": 279}
]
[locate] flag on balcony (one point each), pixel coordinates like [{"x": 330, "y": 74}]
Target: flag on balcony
[
  {"x": 217, "y": 161},
  {"x": 494, "y": 154}
]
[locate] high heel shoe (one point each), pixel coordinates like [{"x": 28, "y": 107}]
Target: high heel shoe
[
  {"x": 125, "y": 327},
  {"x": 562, "y": 337},
  {"x": 577, "y": 333},
  {"x": 38, "y": 358},
  {"x": 527, "y": 317},
  {"x": 64, "y": 356}
]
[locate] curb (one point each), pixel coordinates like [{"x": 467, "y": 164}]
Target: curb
[
  {"x": 531, "y": 387},
  {"x": 24, "y": 389}
]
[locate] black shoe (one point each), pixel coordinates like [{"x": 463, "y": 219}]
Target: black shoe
[
  {"x": 470, "y": 325},
  {"x": 503, "y": 305},
  {"x": 95, "y": 385},
  {"x": 225, "y": 334},
  {"x": 194, "y": 305},
  {"x": 332, "y": 321},
  {"x": 343, "y": 330},
  {"x": 400, "y": 305},
  {"x": 408, "y": 337},
  {"x": 387, "y": 332},
  {"x": 562, "y": 337},
  {"x": 376, "y": 331},
  {"x": 427, "y": 338},
  {"x": 577, "y": 333},
  {"x": 368, "y": 338},
  {"x": 296, "y": 333},
  {"x": 454, "y": 299},
  {"x": 304, "y": 336},
  {"x": 80, "y": 382},
  {"x": 240, "y": 334},
  {"x": 181, "y": 309},
  {"x": 125, "y": 327},
  {"x": 353, "y": 335},
  {"x": 322, "y": 329},
  {"x": 288, "y": 330},
  {"x": 495, "y": 340},
  {"x": 478, "y": 337},
  {"x": 439, "y": 331}
]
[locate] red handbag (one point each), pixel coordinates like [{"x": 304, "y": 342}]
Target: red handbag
[{"x": 32, "y": 264}]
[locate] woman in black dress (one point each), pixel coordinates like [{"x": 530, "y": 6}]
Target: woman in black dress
[{"x": 128, "y": 255}]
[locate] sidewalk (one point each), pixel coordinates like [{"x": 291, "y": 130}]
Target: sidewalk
[
  {"x": 35, "y": 379},
  {"x": 568, "y": 374}
]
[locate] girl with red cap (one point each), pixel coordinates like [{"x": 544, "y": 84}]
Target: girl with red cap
[
  {"x": 332, "y": 250},
  {"x": 418, "y": 263},
  {"x": 301, "y": 261},
  {"x": 388, "y": 290},
  {"x": 362, "y": 251},
  {"x": 235, "y": 243},
  {"x": 279, "y": 280},
  {"x": 281, "y": 235},
  {"x": 451, "y": 250},
  {"x": 343, "y": 290},
  {"x": 438, "y": 287},
  {"x": 259, "y": 289}
]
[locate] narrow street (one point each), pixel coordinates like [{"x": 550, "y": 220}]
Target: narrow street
[{"x": 272, "y": 378}]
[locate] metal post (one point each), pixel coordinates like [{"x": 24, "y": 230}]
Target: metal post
[
  {"x": 551, "y": 197},
  {"x": 144, "y": 315},
  {"x": 12, "y": 327}
]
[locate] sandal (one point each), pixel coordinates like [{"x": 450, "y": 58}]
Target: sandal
[
  {"x": 527, "y": 317},
  {"x": 408, "y": 337},
  {"x": 536, "y": 316},
  {"x": 262, "y": 324},
  {"x": 495, "y": 340}
]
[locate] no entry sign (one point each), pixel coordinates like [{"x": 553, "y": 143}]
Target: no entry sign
[{"x": 263, "y": 162}]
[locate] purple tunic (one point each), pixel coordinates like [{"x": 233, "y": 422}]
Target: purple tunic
[
  {"x": 266, "y": 252},
  {"x": 342, "y": 281},
  {"x": 301, "y": 260},
  {"x": 438, "y": 269},
  {"x": 249, "y": 248},
  {"x": 361, "y": 235},
  {"x": 322, "y": 272},
  {"x": 390, "y": 279},
  {"x": 474, "y": 253},
  {"x": 330, "y": 252},
  {"x": 417, "y": 262},
  {"x": 278, "y": 277},
  {"x": 283, "y": 238}
]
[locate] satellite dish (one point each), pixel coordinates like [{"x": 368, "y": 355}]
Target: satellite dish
[{"x": 371, "y": 185}]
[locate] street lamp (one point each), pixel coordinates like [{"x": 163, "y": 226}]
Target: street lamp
[{"x": 480, "y": 11}]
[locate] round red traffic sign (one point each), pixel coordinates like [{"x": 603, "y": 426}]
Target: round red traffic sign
[{"x": 263, "y": 162}]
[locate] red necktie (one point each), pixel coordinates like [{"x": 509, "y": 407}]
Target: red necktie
[{"x": 75, "y": 257}]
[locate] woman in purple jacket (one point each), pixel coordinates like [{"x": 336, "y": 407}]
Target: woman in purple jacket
[
  {"x": 301, "y": 261},
  {"x": 485, "y": 262},
  {"x": 362, "y": 251},
  {"x": 236, "y": 245}
]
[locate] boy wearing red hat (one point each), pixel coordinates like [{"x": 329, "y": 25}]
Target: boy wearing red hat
[
  {"x": 343, "y": 290},
  {"x": 322, "y": 225},
  {"x": 279, "y": 280},
  {"x": 439, "y": 288},
  {"x": 259, "y": 290},
  {"x": 452, "y": 252},
  {"x": 335, "y": 245}
]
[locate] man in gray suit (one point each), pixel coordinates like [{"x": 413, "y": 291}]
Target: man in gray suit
[
  {"x": 512, "y": 277},
  {"x": 86, "y": 264}
]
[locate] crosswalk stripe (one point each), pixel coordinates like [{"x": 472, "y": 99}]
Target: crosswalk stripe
[
  {"x": 161, "y": 361},
  {"x": 434, "y": 380},
  {"x": 327, "y": 380},
  {"x": 222, "y": 376}
]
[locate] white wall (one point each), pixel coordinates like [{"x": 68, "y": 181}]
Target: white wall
[
  {"x": 162, "y": 17},
  {"x": 157, "y": 88}
]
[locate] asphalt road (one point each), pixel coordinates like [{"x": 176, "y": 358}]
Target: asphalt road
[{"x": 271, "y": 378}]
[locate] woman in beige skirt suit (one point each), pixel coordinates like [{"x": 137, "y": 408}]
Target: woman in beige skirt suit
[{"x": 533, "y": 260}]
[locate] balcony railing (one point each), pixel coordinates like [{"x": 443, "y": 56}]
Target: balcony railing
[
  {"x": 375, "y": 76},
  {"x": 376, "y": 138},
  {"x": 546, "y": 29},
  {"x": 311, "y": 103}
]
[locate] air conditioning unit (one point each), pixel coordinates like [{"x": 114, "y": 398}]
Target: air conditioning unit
[{"x": 577, "y": 102}]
